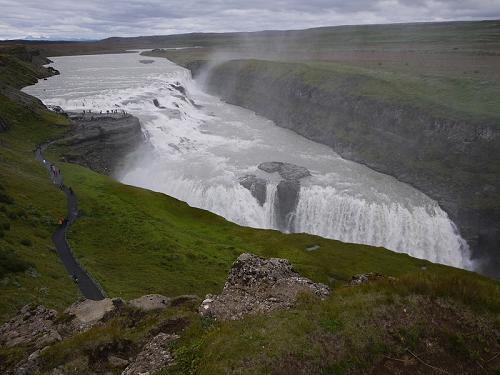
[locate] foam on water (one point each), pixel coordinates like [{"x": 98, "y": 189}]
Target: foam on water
[{"x": 201, "y": 146}]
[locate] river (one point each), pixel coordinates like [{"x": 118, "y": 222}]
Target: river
[{"x": 201, "y": 147}]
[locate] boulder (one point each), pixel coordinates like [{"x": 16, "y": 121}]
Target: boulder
[
  {"x": 257, "y": 186},
  {"x": 150, "y": 302},
  {"x": 89, "y": 312},
  {"x": 154, "y": 356},
  {"x": 258, "y": 285}
]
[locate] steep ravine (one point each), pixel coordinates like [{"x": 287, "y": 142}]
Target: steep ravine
[{"x": 453, "y": 161}]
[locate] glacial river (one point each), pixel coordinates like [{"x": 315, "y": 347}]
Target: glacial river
[{"x": 202, "y": 147}]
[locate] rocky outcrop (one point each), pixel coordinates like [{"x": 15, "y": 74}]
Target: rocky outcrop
[
  {"x": 287, "y": 171},
  {"x": 256, "y": 185},
  {"x": 33, "y": 326},
  {"x": 287, "y": 191},
  {"x": 88, "y": 313},
  {"x": 455, "y": 162},
  {"x": 155, "y": 356},
  {"x": 258, "y": 285},
  {"x": 101, "y": 142}
]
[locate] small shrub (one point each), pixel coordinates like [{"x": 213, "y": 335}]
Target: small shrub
[
  {"x": 11, "y": 263},
  {"x": 5, "y": 198},
  {"x": 26, "y": 242}
]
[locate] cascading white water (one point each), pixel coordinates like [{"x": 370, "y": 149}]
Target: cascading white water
[
  {"x": 425, "y": 232},
  {"x": 201, "y": 147}
]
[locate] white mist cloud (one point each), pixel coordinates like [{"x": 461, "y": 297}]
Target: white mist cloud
[{"x": 95, "y": 19}]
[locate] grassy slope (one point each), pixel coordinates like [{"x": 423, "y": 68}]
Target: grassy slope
[
  {"x": 136, "y": 241},
  {"x": 162, "y": 245},
  {"x": 32, "y": 216}
]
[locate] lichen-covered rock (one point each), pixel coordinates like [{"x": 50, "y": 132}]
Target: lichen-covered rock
[
  {"x": 154, "y": 357},
  {"x": 258, "y": 285},
  {"x": 32, "y": 326}
]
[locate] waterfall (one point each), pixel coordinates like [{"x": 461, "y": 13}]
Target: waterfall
[
  {"x": 422, "y": 232},
  {"x": 200, "y": 147}
]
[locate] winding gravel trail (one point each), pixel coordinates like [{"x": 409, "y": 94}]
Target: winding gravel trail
[{"x": 87, "y": 285}]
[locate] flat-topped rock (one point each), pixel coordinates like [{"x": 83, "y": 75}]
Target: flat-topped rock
[
  {"x": 89, "y": 311},
  {"x": 287, "y": 171}
]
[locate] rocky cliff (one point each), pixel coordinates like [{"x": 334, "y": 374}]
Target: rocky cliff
[
  {"x": 454, "y": 160},
  {"x": 101, "y": 142}
]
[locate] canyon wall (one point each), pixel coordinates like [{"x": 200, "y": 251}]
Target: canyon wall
[{"x": 455, "y": 161}]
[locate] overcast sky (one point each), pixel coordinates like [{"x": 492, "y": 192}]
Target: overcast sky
[{"x": 96, "y": 19}]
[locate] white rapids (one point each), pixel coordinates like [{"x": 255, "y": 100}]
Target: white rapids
[{"x": 202, "y": 146}]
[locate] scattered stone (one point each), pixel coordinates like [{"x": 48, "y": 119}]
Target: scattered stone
[
  {"x": 258, "y": 285},
  {"x": 313, "y": 248},
  {"x": 256, "y": 185},
  {"x": 32, "y": 272},
  {"x": 151, "y": 302},
  {"x": 365, "y": 278},
  {"x": 117, "y": 362},
  {"x": 154, "y": 356}
]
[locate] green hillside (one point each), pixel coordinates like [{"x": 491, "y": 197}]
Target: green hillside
[{"x": 136, "y": 242}]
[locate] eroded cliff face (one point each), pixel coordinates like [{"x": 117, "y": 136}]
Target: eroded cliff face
[
  {"x": 454, "y": 161},
  {"x": 102, "y": 142}
]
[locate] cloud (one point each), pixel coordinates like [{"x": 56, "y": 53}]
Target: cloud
[{"x": 95, "y": 19}]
